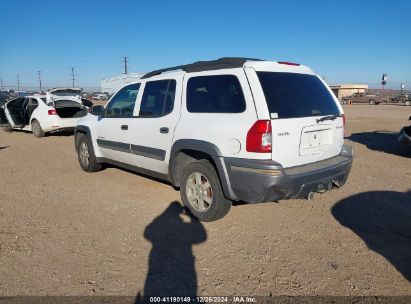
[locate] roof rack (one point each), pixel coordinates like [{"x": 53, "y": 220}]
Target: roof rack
[{"x": 199, "y": 66}]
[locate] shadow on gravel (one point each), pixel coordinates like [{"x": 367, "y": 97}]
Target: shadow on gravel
[
  {"x": 382, "y": 220},
  {"x": 171, "y": 263},
  {"x": 158, "y": 180},
  {"x": 383, "y": 141},
  {"x": 66, "y": 133},
  {"x": 5, "y": 147}
]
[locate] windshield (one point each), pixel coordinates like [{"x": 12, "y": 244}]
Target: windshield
[{"x": 292, "y": 95}]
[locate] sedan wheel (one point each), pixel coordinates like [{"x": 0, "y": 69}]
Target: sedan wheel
[{"x": 36, "y": 129}]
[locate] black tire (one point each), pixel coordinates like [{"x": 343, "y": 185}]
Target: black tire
[
  {"x": 7, "y": 129},
  {"x": 88, "y": 161},
  {"x": 372, "y": 102},
  {"x": 36, "y": 129},
  {"x": 219, "y": 205},
  {"x": 407, "y": 103}
]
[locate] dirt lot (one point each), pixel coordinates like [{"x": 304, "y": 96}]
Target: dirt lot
[{"x": 67, "y": 232}]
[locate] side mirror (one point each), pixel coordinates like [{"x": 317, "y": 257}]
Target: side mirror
[{"x": 97, "y": 110}]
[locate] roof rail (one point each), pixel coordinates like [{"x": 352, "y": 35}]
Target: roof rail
[{"x": 199, "y": 66}]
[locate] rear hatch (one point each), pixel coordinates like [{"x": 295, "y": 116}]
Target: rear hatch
[{"x": 307, "y": 124}]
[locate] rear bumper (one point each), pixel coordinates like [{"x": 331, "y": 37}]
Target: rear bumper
[
  {"x": 60, "y": 124},
  {"x": 255, "y": 181}
]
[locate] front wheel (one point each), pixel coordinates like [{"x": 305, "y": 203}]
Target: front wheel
[
  {"x": 201, "y": 192},
  {"x": 7, "y": 129},
  {"x": 372, "y": 102},
  {"x": 407, "y": 103},
  {"x": 87, "y": 159},
  {"x": 36, "y": 129}
]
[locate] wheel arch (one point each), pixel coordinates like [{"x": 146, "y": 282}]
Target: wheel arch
[
  {"x": 185, "y": 151},
  {"x": 33, "y": 119},
  {"x": 81, "y": 130}
]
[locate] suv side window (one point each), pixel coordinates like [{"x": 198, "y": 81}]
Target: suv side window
[
  {"x": 122, "y": 104},
  {"x": 215, "y": 94},
  {"x": 158, "y": 98}
]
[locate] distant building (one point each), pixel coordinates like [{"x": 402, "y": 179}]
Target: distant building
[
  {"x": 113, "y": 84},
  {"x": 343, "y": 90}
]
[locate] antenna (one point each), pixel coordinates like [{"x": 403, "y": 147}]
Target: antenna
[
  {"x": 39, "y": 73},
  {"x": 125, "y": 64},
  {"x": 18, "y": 83},
  {"x": 1, "y": 81},
  {"x": 72, "y": 76}
]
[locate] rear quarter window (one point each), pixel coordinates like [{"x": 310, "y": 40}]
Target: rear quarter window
[
  {"x": 293, "y": 95},
  {"x": 215, "y": 94}
]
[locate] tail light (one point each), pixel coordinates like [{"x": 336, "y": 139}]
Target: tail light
[
  {"x": 259, "y": 137},
  {"x": 52, "y": 112}
]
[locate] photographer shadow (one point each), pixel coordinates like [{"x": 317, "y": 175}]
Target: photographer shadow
[
  {"x": 171, "y": 262},
  {"x": 382, "y": 220}
]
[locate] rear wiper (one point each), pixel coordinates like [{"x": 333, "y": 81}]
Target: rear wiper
[{"x": 329, "y": 117}]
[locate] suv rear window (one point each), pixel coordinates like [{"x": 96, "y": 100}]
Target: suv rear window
[
  {"x": 215, "y": 94},
  {"x": 292, "y": 95}
]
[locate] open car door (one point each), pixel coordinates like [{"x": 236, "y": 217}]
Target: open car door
[
  {"x": 11, "y": 113},
  {"x": 3, "y": 119}
]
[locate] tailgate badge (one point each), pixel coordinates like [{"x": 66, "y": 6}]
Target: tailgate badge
[{"x": 283, "y": 133}]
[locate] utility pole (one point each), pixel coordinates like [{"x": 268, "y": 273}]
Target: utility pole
[
  {"x": 18, "y": 83},
  {"x": 72, "y": 76},
  {"x": 39, "y": 73},
  {"x": 1, "y": 80},
  {"x": 125, "y": 65}
]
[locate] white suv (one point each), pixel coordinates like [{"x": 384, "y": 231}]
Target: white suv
[{"x": 233, "y": 129}]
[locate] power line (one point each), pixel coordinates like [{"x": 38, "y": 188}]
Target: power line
[
  {"x": 125, "y": 64},
  {"x": 39, "y": 73},
  {"x": 72, "y": 76}
]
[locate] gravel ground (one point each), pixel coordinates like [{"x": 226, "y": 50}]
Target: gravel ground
[{"x": 67, "y": 232}]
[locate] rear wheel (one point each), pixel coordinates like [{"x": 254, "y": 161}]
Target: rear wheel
[
  {"x": 36, "y": 129},
  {"x": 407, "y": 103},
  {"x": 372, "y": 102},
  {"x": 201, "y": 192},
  {"x": 87, "y": 159}
]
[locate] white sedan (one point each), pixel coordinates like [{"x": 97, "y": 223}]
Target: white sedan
[{"x": 40, "y": 115}]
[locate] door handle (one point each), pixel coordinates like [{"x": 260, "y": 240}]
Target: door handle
[
  {"x": 124, "y": 127},
  {"x": 164, "y": 130}
]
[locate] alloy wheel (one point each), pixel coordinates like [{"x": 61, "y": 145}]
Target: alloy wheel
[
  {"x": 84, "y": 154},
  {"x": 199, "y": 192}
]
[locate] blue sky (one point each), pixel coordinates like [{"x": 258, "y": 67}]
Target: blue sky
[{"x": 346, "y": 41}]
